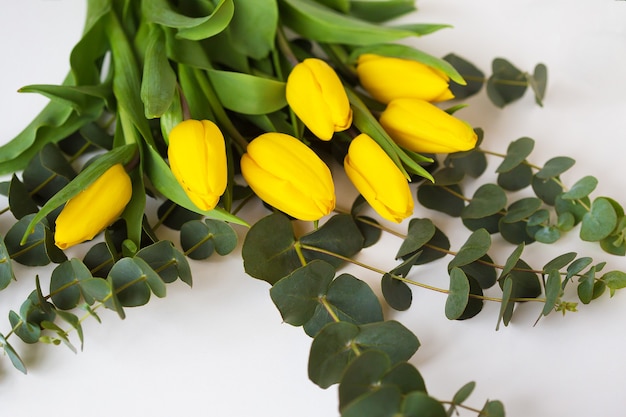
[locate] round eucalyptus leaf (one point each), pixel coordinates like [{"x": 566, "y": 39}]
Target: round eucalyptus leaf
[
  {"x": 521, "y": 209},
  {"x": 223, "y": 235},
  {"x": 565, "y": 222},
  {"x": 33, "y": 252},
  {"x": 577, "y": 208},
  {"x": 488, "y": 199},
  {"x": 406, "y": 377},
  {"x": 196, "y": 241},
  {"x": 610, "y": 244},
  {"x": 448, "y": 176},
  {"x": 489, "y": 223},
  {"x": 267, "y": 250},
  {"x": 476, "y": 245},
  {"x": 420, "y": 232},
  {"x": 474, "y": 304},
  {"x": 391, "y": 337},
  {"x": 351, "y": 300},
  {"x": 6, "y": 267},
  {"x": 458, "y": 294},
  {"x": 129, "y": 283},
  {"x": 515, "y": 233},
  {"x": 20, "y": 201},
  {"x": 525, "y": 283},
  {"x": 339, "y": 235},
  {"x": 539, "y": 218},
  {"x": 362, "y": 375},
  {"x": 96, "y": 288},
  {"x": 47, "y": 173},
  {"x": 503, "y": 86},
  {"x": 599, "y": 222},
  {"x": 162, "y": 259},
  {"x": 482, "y": 271},
  {"x": 437, "y": 248},
  {"x": 421, "y": 404},
  {"x": 174, "y": 216},
  {"x": 28, "y": 332},
  {"x": 493, "y": 408},
  {"x": 546, "y": 189},
  {"x": 555, "y": 167},
  {"x": 516, "y": 179},
  {"x": 582, "y": 188},
  {"x": 538, "y": 82},
  {"x": 615, "y": 280},
  {"x": 472, "y": 163},
  {"x": 371, "y": 234},
  {"x": 443, "y": 199},
  {"x": 547, "y": 234},
  {"x": 99, "y": 260},
  {"x": 586, "y": 286},
  {"x": 64, "y": 291},
  {"x": 380, "y": 402},
  {"x": 154, "y": 281},
  {"x": 331, "y": 352},
  {"x": 516, "y": 153},
  {"x": 397, "y": 293},
  {"x": 473, "y": 75},
  {"x": 298, "y": 294}
]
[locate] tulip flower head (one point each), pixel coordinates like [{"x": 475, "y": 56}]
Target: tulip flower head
[
  {"x": 315, "y": 93},
  {"x": 388, "y": 78},
  {"x": 378, "y": 179},
  {"x": 420, "y": 126},
  {"x": 197, "y": 156},
  {"x": 288, "y": 175},
  {"x": 93, "y": 209}
]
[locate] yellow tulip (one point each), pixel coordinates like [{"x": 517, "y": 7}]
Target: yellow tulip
[
  {"x": 197, "y": 156},
  {"x": 315, "y": 94},
  {"x": 93, "y": 209},
  {"x": 378, "y": 179},
  {"x": 388, "y": 78},
  {"x": 420, "y": 126},
  {"x": 288, "y": 175}
]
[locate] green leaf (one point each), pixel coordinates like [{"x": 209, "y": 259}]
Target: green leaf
[
  {"x": 31, "y": 252},
  {"x": 28, "y": 332},
  {"x": 516, "y": 179},
  {"x": 380, "y": 402},
  {"x": 477, "y": 245},
  {"x": 458, "y": 295},
  {"x": 339, "y": 235},
  {"x": 547, "y": 190},
  {"x": 298, "y": 295},
  {"x": 47, "y": 173},
  {"x": 380, "y": 10},
  {"x": 246, "y": 93},
  {"x": 192, "y": 28},
  {"x": 516, "y": 153},
  {"x": 154, "y": 281},
  {"x": 64, "y": 292},
  {"x": 163, "y": 259},
  {"x": 96, "y": 288},
  {"x": 420, "y": 232},
  {"x": 474, "y": 77},
  {"x": 128, "y": 281},
  {"x": 506, "y": 307},
  {"x": 319, "y": 23},
  {"x": 463, "y": 393},
  {"x": 350, "y": 299},
  {"x": 487, "y": 200},
  {"x": 493, "y": 408},
  {"x": 17, "y": 362},
  {"x": 506, "y": 83},
  {"x": 614, "y": 280},
  {"x": 521, "y": 209},
  {"x": 538, "y": 82},
  {"x": 397, "y": 293},
  {"x": 512, "y": 260},
  {"x": 421, "y": 404},
  {"x": 268, "y": 249},
  {"x": 158, "y": 83},
  {"x": 553, "y": 291},
  {"x": 441, "y": 198},
  {"x": 582, "y": 188},
  {"x": 200, "y": 239},
  {"x": 75, "y": 322},
  {"x": 559, "y": 262},
  {"x": 262, "y": 15},
  {"x": 482, "y": 271},
  {"x": 555, "y": 167},
  {"x": 599, "y": 222},
  {"x": 361, "y": 376},
  {"x": 20, "y": 201},
  {"x": 6, "y": 267}
]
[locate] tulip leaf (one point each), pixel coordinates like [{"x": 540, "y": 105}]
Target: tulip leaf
[
  {"x": 341, "y": 297},
  {"x": 380, "y": 10},
  {"x": 297, "y": 295},
  {"x": 262, "y": 15},
  {"x": 487, "y": 200},
  {"x": 408, "y": 52},
  {"x": 317, "y": 22},
  {"x": 268, "y": 249},
  {"x": 599, "y": 222},
  {"x": 158, "y": 83},
  {"x": 192, "y": 28},
  {"x": 248, "y": 94},
  {"x": 120, "y": 155}
]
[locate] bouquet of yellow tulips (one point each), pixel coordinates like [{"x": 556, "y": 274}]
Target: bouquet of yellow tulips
[{"x": 188, "y": 109}]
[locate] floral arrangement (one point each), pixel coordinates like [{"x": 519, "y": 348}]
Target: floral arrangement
[{"x": 175, "y": 109}]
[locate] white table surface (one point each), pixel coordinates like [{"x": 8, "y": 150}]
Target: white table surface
[{"x": 220, "y": 348}]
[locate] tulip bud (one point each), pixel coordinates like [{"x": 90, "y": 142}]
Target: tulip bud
[
  {"x": 378, "y": 179},
  {"x": 288, "y": 175},
  {"x": 315, "y": 93},
  {"x": 420, "y": 126},
  {"x": 197, "y": 156},
  {"x": 388, "y": 78},
  {"x": 93, "y": 209}
]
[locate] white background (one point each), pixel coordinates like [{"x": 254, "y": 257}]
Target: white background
[{"x": 221, "y": 349}]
